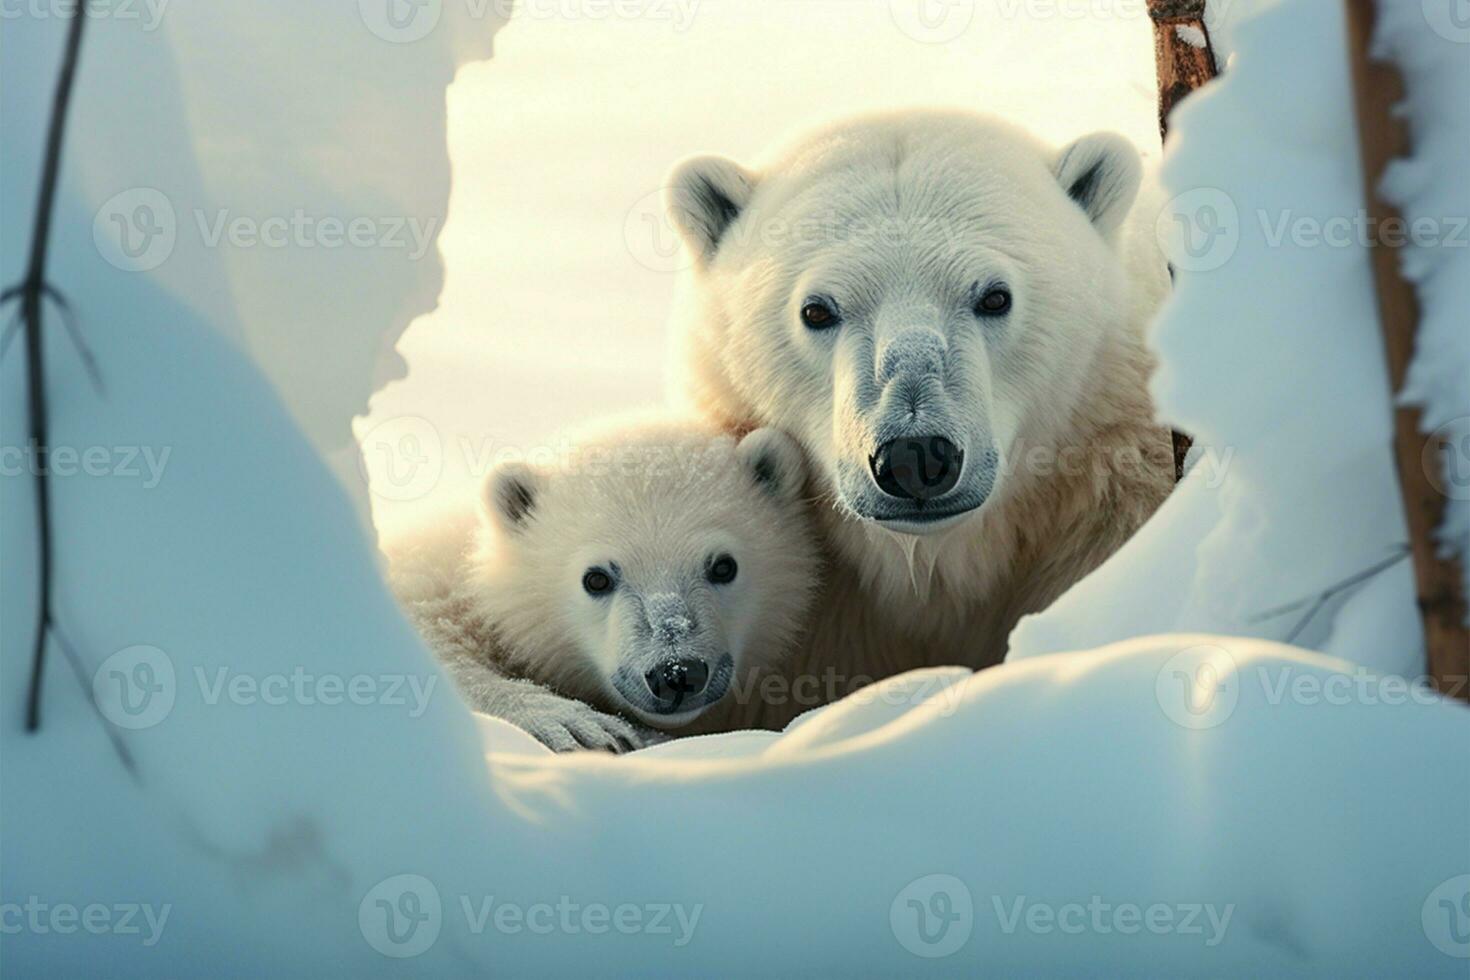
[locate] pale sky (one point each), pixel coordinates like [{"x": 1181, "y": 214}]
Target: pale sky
[{"x": 557, "y": 276}]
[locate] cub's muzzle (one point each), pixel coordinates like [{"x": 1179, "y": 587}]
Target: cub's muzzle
[
  {"x": 674, "y": 680},
  {"x": 676, "y": 688}
]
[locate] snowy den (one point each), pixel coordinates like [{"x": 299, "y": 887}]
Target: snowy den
[{"x": 735, "y": 488}]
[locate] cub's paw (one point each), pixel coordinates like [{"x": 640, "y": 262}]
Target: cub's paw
[{"x": 565, "y": 725}]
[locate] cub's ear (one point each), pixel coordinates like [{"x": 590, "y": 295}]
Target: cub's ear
[
  {"x": 776, "y": 462},
  {"x": 705, "y": 195},
  {"x": 1101, "y": 172},
  {"x": 509, "y": 496}
]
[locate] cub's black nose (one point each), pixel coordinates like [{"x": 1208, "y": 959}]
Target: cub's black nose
[
  {"x": 917, "y": 467},
  {"x": 674, "y": 680}
]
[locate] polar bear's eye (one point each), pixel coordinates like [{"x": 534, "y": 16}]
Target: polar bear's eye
[
  {"x": 818, "y": 314},
  {"x": 995, "y": 301},
  {"x": 722, "y": 570},
  {"x": 597, "y": 582}
]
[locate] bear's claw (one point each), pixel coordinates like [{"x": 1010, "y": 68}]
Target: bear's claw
[{"x": 566, "y": 725}]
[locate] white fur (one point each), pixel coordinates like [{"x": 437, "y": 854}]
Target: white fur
[
  {"x": 657, "y": 496},
  {"x": 895, "y": 216}
]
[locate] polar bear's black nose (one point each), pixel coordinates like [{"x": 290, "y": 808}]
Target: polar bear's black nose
[
  {"x": 917, "y": 467},
  {"x": 674, "y": 680}
]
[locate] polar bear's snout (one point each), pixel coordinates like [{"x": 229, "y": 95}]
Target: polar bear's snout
[
  {"x": 917, "y": 353},
  {"x": 674, "y": 657},
  {"x": 917, "y": 467},
  {"x": 674, "y": 680},
  {"x": 675, "y": 687},
  {"x": 915, "y": 425},
  {"x": 669, "y": 618}
]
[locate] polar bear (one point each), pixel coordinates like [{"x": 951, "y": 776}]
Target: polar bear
[
  {"x": 647, "y": 570},
  {"x": 948, "y": 315}
]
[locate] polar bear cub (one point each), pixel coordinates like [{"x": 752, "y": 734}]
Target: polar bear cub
[{"x": 642, "y": 572}]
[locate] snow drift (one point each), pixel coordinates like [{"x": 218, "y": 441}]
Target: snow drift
[{"x": 303, "y": 793}]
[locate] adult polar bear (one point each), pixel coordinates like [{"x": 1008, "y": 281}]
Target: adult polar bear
[{"x": 948, "y": 315}]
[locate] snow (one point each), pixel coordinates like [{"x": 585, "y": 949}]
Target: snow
[
  {"x": 1296, "y": 490},
  {"x": 1192, "y": 36},
  {"x": 1436, "y": 198},
  {"x": 1221, "y": 19},
  {"x": 1176, "y": 803},
  {"x": 1257, "y": 822}
]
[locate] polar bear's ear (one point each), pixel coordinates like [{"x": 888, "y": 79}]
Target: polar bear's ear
[
  {"x": 704, "y": 197},
  {"x": 776, "y": 462},
  {"x": 509, "y": 496},
  {"x": 1101, "y": 172}
]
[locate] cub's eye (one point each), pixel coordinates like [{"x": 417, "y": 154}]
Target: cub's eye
[
  {"x": 598, "y": 582},
  {"x": 995, "y": 301},
  {"x": 818, "y": 314},
  {"x": 722, "y": 570}
]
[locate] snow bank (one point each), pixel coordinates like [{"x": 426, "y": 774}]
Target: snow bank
[
  {"x": 1431, "y": 190},
  {"x": 305, "y": 797},
  {"x": 1271, "y": 356},
  {"x": 275, "y": 170}
]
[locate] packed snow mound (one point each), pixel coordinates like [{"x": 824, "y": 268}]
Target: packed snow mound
[
  {"x": 253, "y": 766},
  {"x": 1270, "y": 354},
  {"x": 1432, "y": 192},
  {"x": 1239, "y": 778}
]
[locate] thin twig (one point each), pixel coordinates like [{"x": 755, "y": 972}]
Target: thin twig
[
  {"x": 1316, "y": 602},
  {"x": 68, "y": 320},
  {"x": 85, "y": 680},
  {"x": 32, "y": 294}
]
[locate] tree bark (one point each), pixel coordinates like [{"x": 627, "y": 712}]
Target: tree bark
[
  {"x": 1381, "y": 138},
  {"x": 1182, "y": 67}
]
